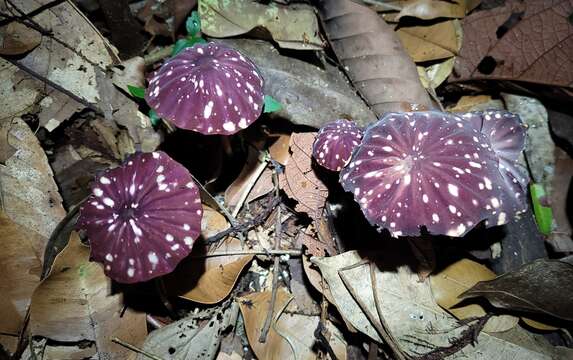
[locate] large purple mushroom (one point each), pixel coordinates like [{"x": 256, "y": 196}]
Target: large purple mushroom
[
  {"x": 427, "y": 169},
  {"x": 142, "y": 217},
  {"x": 334, "y": 144},
  {"x": 507, "y": 134},
  {"x": 209, "y": 88}
]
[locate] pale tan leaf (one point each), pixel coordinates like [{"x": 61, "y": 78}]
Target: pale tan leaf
[
  {"x": 293, "y": 27},
  {"x": 432, "y": 9},
  {"x": 475, "y": 103},
  {"x": 299, "y": 180},
  {"x": 431, "y": 42},
  {"x": 455, "y": 279},
  {"x": 279, "y": 150},
  {"x": 434, "y": 75},
  {"x": 17, "y": 38},
  {"x": 208, "y": 280},
  {"x": 212, "y": 222},
  {"x": 241, "y": 189},
  {"x": 291, "y": 336},
  {"x": 76, "y": 302}
]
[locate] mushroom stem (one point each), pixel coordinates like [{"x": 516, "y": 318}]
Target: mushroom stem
[{"x": 162, "y": 292}]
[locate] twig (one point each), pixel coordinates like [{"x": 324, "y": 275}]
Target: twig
[
  {"x": 468, "y": 336},
  {"x": 390, "y": 340},
  {"x": 268, "y": 320},
  {"x": 249, "y": 252},
  {"x": 135, "y": 349},
  {"x": 249, "y": 187},
  {"x": 244, "y": 227}
]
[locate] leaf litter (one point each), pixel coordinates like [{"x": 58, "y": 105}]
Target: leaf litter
[{"x": 286, "y": 266}]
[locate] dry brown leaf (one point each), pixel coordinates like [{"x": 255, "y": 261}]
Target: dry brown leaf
[
  {"x": 291, "y": 336},
  {"x": 523, "y": 40},
  {"x": 250, "y": 175},
  {"x": 432, "y": 9},
  {"x": 279, "y": 150},
  {"x": 212, "y": 222},
  {"x": 459, "y": 277},
  {"x": 20, "y": 266},
  {"x": 29, "y": 194},
  {"x": 434, "y": 75},
  {"x": 315, "y": 279},
  {"x": 560, "y": 238},
  {"x": 76, "y": 302},
  {"x": 17, "y": 38},
  {"x": 263, "y": 186},
  {"x": 432, "y": 42},
  {"x": 293, "y": 27},
  {"x": 373, "y": 57},
  {"x": 299, "y": 180},
  {"x": 476, "y": 102},
  {"x": 208, "y": 280}
]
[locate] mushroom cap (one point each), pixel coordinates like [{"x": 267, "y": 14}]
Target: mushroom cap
[
  {"x": 209, "y": 88},
  {"x": 427, "y": 169},
  {"x": 506, "y": 133},
  {"x": 142, "y": 217},
  {"x": 334, "y": 143}
]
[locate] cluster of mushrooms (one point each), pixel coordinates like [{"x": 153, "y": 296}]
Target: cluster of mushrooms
[{"x": 444, "y": 172}]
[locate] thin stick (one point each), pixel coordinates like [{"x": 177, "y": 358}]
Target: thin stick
[
  {"x": 135, "y": 349},
  {"x": 295, "y": 253},
  {"x": 391, "y": 341},
  {"x": 268, "y": 320},
  {"x": 251, "y": 184}
]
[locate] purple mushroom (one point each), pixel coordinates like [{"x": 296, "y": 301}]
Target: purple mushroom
[
  {"x": 427, "y": 169},
  {"x": 209, "y": 88},
  {"x": 142, "y": 217},
  {"x": 334, "y": 144},
  {"x": 507, "y": 134}
]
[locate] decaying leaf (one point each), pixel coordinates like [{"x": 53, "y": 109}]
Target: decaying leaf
[
  {"x": 76, "y": 303},
  {"x": 318, "y": 97},
  {"x": 165, "y": 17},
  {"x": 434, "y": 75},
  {"x": 299, "y": 180},
  {"x": 561, "y": 239},
  {"x": 432, "y": 42},
  {"x": 208, "y": 280},
  {"x": 373, "y": 57},
  {"x": 476, "y": 103},
  {"x": 186, "y": 339},
  {"x": 17, "y": 38},
  {"x": 293, "y": 27},
  {"x": 411, "y": 316},
  {"x": 291, "y": 336},
  {"x": 523, "y": 40},
  {"x": 29, "y": 194},
  {"x": 20, "y": 266},
  {"x": 279, "y": 150},
  {"x": 541, "y": 287},
  {"x": 455, "y": 279},
  {"x": 432, "y": 9},
  {"x": 243, "y": 188}
]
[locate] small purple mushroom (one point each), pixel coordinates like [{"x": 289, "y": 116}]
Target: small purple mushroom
[
  {"x": 209, "y": 88},
  {"x": 142, "y": 217},
  {"x": 427, "y": 169},
  {"x": 334, "y": 144}
]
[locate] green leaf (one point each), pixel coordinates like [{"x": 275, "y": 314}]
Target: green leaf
[
  {"x": 543, "y": 214},
  {"x": 155, "y": 119},
  {"x": 185, "y": 43},
  {"x": 136, "y": 91},
  {"x": 193, "y": 24},
  {"x": 271, "y": 105}
]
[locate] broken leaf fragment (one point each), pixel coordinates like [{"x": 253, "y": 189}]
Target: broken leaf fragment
[{"x": 543, "y": 214}]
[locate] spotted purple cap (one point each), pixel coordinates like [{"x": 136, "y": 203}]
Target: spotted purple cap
[
  {"x": 507, "y": 134},
  {"x": 142, "y": 217},
  {"x": 334, "y": 143},
  {"x": 426, "y": 169},
  {"x": 209, "y": 88}
]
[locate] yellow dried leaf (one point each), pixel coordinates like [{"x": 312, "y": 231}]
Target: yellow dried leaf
[{"x": 432, "y": 42}]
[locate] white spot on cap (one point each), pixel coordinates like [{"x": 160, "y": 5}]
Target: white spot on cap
[
  {"x": 136, "y": 230},
  {"x": 169, "y": 237},
  {"x": 160, "y": 169},
  {"x": 186, "y": 227},
  {"x": 502, "y": 218},
  {"x": 387, "y": 148},
  {"x": 104, "y": 180},
  {"x": 98, "y": 192},
  {"x": 452, "y": 209},
  {"x": 130, "y": 272},
  {"x": 425, "y": 198},
  {"x": 229, "y": 126},
  {"x": 109, "y": 257},
  {"x": 453, "y": 189},
  {"x": 407, "y": 179},
  {"x": 207, "y": 110},
  {"x": 188, "y": 240},
  {"x": 152, "y": 257},
  {"x": 109, "y": 202},
  {"x": 155, "y": 155},
  {"x": 487, "y": 183},
  {"x": 132, "y": 189},
  {"x": 435, "y": 217}
]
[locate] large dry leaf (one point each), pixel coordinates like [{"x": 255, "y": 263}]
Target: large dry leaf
[
  {"x": 431, "y": 42},
  {"x": 432, "y": 9},
  {"x": 29, "y": 194},
  {"x": 299, "y": 180},
  {"x": 455, "y": 279},
  {"x": 243, "y": 187},
  {"x": 20, "y": 266},
  {"x": 434, "y": 75},
  {"x": 524, "y": 40},
  {"x": 293, "y": 27},
  {"x": 17, "y": 38},
  {"x": 560, "y": 238},
  {"x": 208, "y": 280},
  {"x": 291, "y": 336},
  {"x": 318, "y": 97},
  {"x": 76, "y": 303},
  {"x": 373, "y": 57},
  {"x": 186, "y": 340},
  {"x": 541, "y": 287},
  {"x": 411, "y": 316}
]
